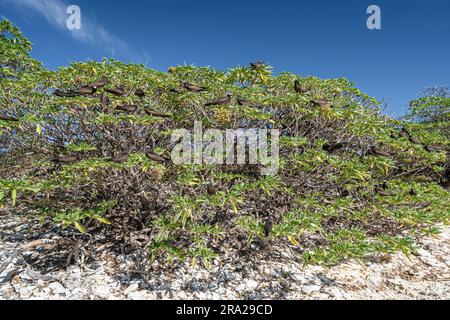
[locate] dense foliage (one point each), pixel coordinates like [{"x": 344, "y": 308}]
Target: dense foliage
[
  {"x": 432, "y": 107},
  {"x": 351, "y": 182}
]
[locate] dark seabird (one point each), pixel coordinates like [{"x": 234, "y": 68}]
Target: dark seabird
[
  {"x": 321, "y": 103},
  {"x": 140, "y": 93},
  {"x": 330, "y": 148},
  {"x": 173, "y": 90},
  {"x": 414, "y": 140},
  {"x": 193, "y": 87},
  {"x": 117, "y": 91},
  {"x": 221, "y": 101},
  {"x": 154, "y": 113},
  {"x": 105, "y": 102},
  {"x": 66, "y": 159},
  {"x": 268, "y": 226},
  {"x": 99, "y": 83},
  {"x": 434, "y": 148},
  {"x": 404, "y": 132},
  {"x": 85, "y": 91},
  {"x": 383, "y": 193},
  {"x": 128, "y": 108},
  {"x": 11, "y": 119},
  {"x": 156, "y": 157},
  {"x": 121, "y": 157},
  {"x": 379, "y": 152},
  {"x": 243, "y": 102},
  {"x": 298, "y": 87},
  {"x": 64, "y": 94},
  {"x": 257, "y": 64}
]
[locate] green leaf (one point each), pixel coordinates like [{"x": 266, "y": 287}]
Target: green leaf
[
  {"x": 14, "y": 197},
  {"x": 103, "y": 220},
  {"x": 293, "y": 241},
  {"x": 80, "y": 227}
]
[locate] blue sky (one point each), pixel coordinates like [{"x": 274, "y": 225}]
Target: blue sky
[{"x": 322, "y": 38}]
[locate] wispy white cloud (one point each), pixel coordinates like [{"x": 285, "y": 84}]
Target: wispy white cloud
[
  {"x": 91, "y": 32},
  {"x": 141, "y": 58}
]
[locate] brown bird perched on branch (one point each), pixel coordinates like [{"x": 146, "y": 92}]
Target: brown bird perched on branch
[
  {"x": 343, "y": 192},
  {"x": 268, "y": 226},
  {"x": 221, "y": 101},
  {"x": 99, "y": 83},
  {"x": 414, "y": 140},
  {"x": 130, "y": 108},
  {"x": 85, "y": 91},
  {"x": 257, "y": 64},
  {"x": 64, "y": 94},
  {"x": 243, "y": 102},
  {"x": 140, "y": 93},
  {"x": 156, "y": 157},
  {"x": 154, "y": 113},
  {"x": 174, "y": 90},
  {"x": 321, "y": 103},
  {"x": 383, "y": 193},
  {"x": 105, "y": 102},
  {"x": 211, "y": 189},
  {"x": 119, "y": 91},
  {"x": 66, "y": 159},
  {"x": 377, "y": 151},
  {"x": 193, "y": 87},
  {"x": 434, "y": 148},
  {"x": 298, "y": 87},
  {"x": 331, "y": 147},
  {"x": 121, "y": 157},
  {"x": 11, "y": 119},
  {"x": 404, "y": 132}
]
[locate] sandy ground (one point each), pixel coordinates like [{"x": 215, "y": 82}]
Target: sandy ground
[{"x": 424, "y": 275}]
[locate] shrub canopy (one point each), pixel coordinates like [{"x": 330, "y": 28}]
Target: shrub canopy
[{"x": 334, "y": 197}]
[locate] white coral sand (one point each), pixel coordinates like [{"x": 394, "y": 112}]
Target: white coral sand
[{"x": 425, "y": 275}]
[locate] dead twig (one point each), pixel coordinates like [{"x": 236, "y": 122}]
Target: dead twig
[{"x": 45, "y": 243}]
